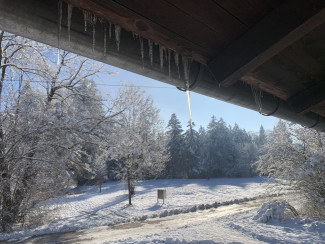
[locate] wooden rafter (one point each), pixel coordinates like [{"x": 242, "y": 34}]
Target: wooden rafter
[
  {"x": 308, "y": 99},
  {"x": 132, "y": 21},
  {"x": 282, "y": 27}
]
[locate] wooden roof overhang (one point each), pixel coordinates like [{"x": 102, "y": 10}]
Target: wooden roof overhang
[{"x": 276, "y": 46}]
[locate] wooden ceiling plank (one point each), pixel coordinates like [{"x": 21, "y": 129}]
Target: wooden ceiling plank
[
  {"x": 282, "y": 27},
  {"x": 131, "y": 21},
  {"x": 308, "y": 99},
  {"x": 271, "y": 88},
  {"x": 212, "y": 15},
  {"x": 177, "y": 21},
  {"x": 249, "y": 12},
  {"x": 298, "y": 55}
]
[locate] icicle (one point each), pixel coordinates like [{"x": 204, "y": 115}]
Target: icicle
[
  {"x": 94, "y": 21},
  {"x": 58, "y": 60},
  {"x": 186, "y": 66},
  {"x": 70, "y": 8},
  {"x": 86, "y": 17},
  {"x": 169, "y": 53},
  {"x": 110, "y": 30},
  {"x": 150, "y": 51},
  {"x": 189, "y": 104},
  {"x": 161, "y": 55},
  {"x": 118, "y": 36},
  {"x": 176, "y": 56},
  {"x": 135, "y": 35},
  {"x": 59, "y": 29},
  {"x": 141, "y": 48},
  {"x": 257, "y": 94},
  {"x": 105, "y": 39}
]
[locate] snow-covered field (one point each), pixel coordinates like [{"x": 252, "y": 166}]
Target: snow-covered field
[{"x": 87, "y": 208}]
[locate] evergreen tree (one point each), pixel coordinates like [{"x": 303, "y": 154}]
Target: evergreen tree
[
  {"x": 86, "y": 104},
  {"x": 176, "y": 147},
  {"x": 261, "y": 138},
  {"x": 202, "y": 144},
  {"x": 280, "y": 153},
  {"x": 240, "y": 135},
  {"x": 191, "y": 152},
  {"x": 218, "y": 151}
]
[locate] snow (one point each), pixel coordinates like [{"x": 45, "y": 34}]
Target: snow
[
  {"x": 195, "y": 211},
  {"x": 273, "y": 210}
]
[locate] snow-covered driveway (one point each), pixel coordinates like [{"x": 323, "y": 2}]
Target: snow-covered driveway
[
  {"x": 166, "y": 229},
  {"x": 88, "y": 216}
]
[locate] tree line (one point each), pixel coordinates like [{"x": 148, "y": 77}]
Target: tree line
[{"x": 216, "y": 151}]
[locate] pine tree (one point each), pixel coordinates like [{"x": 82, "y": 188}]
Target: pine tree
[
  {"x": 280, "y": 153},
  {"x": 191, "y": 153},
  {"x": 261, "y": 139},
  {"x": 176, "y": 148},
  {"x": 200, "y": 170}
]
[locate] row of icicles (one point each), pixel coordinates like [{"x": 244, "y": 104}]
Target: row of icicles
[{"x": 91, "y": 19}]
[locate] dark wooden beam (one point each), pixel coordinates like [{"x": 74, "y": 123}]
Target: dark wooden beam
[
  {"x": 308, "y": 99},
  {"x": 121, "y": 15},
  {"x": 283, "y": 26}
]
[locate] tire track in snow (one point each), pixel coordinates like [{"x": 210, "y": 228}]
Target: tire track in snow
[{"x": 147, "y": 227}]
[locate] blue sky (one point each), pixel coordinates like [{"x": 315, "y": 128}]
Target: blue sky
[{"x": 170, "y": 100}]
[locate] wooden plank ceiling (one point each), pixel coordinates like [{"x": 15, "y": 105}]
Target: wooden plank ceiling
[
  {"x": 275, "y": 45},
  {"x": 200, "y": 29}
]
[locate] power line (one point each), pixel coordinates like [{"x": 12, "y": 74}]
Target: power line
[
  {"x": 102, "y": 84},
  {"x": 158, "y": 87}
]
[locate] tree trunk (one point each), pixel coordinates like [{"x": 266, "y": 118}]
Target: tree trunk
[{"x": 129, "y": 189}]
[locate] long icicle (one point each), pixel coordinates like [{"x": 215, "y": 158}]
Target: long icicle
[
  {"x": 70, "y": 8},
  {"x": 169, "y": 54},
  {"x": 176, "y": 56},
  {"x": 141, "y": 49},
  {"x": 150, "y": 44},
  {"x": 94, "y": 21},
  {"x": 118, "y": 36},
  {"x": 59, "y": 29},
  {"x": 186, "y": 66},
  {"x": 110, "y": 30},
  {"x": 161, "y": 55},
  {"x": 105, "y": 39},
  {"x": 85, "y": 14}
]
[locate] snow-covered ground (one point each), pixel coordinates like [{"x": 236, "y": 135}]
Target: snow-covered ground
[{"x": 87, "y": 208}]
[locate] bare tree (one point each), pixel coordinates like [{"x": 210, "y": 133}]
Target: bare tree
[
  {"x": 40, "y": 126},
  {"x": 140, "y": 144}
]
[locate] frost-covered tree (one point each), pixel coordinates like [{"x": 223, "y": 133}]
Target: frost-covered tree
[
  {"x": 246, "y": 157},
  {"x": 200, "y": 169},
  {"x": 220, "y": 153},
  {"x": 174, "y": 167},
  {"x": 240, "y": 136},
  {"x": 39, "y": 128},
  {"x": 281, "y": 155},
  {"x": 294, "y": 156},
  {"x": 191, "y": 151},
  {"x": 245, "y": 153},
  {"x": 261, "y": 139},
  {"x": 140, "y": 146},
  {"x": 86, "y": 104}
]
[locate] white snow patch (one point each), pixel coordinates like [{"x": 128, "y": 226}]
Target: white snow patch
[{"x": 273, "y": 210}]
